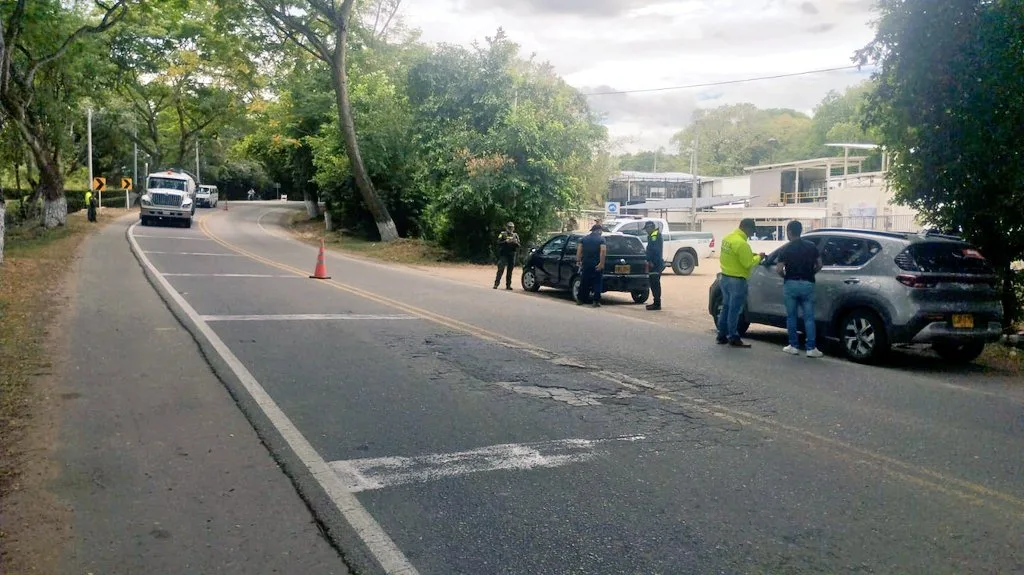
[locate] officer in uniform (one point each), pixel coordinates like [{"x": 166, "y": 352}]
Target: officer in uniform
[
  {"x": 655, "y": 262},
  {"x": 508, "y": 243},
  {"x": 90, "y": 206}
]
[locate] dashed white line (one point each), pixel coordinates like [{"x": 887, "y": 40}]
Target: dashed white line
[
  {"x": 175, "y": 238},
  {"x": 306, "y": 317},
  {"x": 280, "y": 276},
  {"x": 380, "y": 544},
  {"x": 196, "y": 254},
  {"x": 378, "y": 473}
]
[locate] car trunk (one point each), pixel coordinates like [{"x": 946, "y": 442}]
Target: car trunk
[{"x": 947, "y": 272}]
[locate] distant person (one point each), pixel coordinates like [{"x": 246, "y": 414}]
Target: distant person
[
  {"x": 508, "y": 244},
  {"x": 252, "y": 194},
  {"x": 798, "y": 263},
  {"x": 737, "y": 261},
  {"x": 590, "y": 257},
  {"x": 90, "y": 206},
  {"x": 655, "y": 262}
]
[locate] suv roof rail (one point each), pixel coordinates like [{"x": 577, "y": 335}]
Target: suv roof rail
[
  {"x": 883, "y": 233},
  {"x": 937, "y": 234}
]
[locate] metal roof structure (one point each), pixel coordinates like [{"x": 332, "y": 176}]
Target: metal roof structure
[
  {"x": 631, "y": 176},
  {"x": 821, "y": 163},
  {"x": 676, "y": 204}
]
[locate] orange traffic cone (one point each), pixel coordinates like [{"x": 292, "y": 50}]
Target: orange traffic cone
[{"x": 320, "y": 273}]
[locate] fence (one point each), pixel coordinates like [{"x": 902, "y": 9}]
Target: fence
[{"x": 901, "y": 223}]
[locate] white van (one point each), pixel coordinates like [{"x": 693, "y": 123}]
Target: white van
[{"x": 207, "y": 196}]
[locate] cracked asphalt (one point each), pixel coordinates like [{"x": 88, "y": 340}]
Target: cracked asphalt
[{"x": 750, "y": 462}]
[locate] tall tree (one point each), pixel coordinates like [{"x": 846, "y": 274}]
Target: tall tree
[
  {"x": 321, "y": 27},
  {"x": 949, "y": 105},
  {"x": 34, "y": 38}
]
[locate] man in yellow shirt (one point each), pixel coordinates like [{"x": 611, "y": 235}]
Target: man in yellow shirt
[{"x": 738, "y": 261}]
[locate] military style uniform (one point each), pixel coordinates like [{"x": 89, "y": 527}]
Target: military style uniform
[
  {"x": 508, "y": 244},
  {"x": 655, "y": 265}
]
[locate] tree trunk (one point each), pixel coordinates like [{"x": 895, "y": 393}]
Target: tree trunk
[
  {"x": 385, "y": 225},
  {"x": 328, "y": 221},
  {"x": 3, "y": 225},
  {"x": 312, "y": 209},
  {"x": 55, "y": 205}
]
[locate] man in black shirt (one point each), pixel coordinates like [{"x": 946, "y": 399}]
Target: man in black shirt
[
  {"x": 590, "y": 257},
  {"x": 798, "y": 263}
]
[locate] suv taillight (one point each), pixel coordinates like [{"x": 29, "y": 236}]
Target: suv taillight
[
  {"x": 712, "y": 244},
  {"x": 915, "y": 281}
]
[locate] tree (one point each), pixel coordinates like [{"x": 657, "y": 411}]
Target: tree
[
  {"x": 321, "y": 28},
  {"x": 34, "y": 38},
  {"x": 949, "y": 106}
]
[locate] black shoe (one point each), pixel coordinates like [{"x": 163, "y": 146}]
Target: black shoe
[
  {"x": 495, "y": 286},
  {"x": 654, "y": 307},
  {"x": 509, "y": 288},
  {"x": 721, "y": 340},
  {"x": 738, "y": 343},
  {"x": 596, "y": 304}
]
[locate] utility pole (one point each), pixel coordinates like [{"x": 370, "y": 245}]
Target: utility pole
[
  {"x": 696, "y": 183},
  {"x": 199, "y": 178},
  {"x": 135, "y": 153},
  {"x": 89, "y": 151}
]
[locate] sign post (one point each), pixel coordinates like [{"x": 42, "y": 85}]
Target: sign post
[
  {"x": 126, "y": 185},
  {"x": 611, "y": 209}
]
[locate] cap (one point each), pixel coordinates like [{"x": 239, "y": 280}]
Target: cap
[
  {"x": 650, "y": 224},
  {"x": 596, "y": 227}
]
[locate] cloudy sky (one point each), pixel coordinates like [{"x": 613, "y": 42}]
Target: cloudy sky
[{"x": 612, "y": 45}]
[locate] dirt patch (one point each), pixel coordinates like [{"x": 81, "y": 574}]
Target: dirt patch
[
  {"x": 36, "y": 301},
  {"x": 401, "y": 251}
]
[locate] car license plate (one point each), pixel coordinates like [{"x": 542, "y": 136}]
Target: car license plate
[
  {"x": 963, "y": 321},
  {"x": 623, "y": 269}
]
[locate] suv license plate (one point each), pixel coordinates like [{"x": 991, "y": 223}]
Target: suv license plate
[
  {"x": 963, "y": 321},
  {"x": 623, "y": 269}
]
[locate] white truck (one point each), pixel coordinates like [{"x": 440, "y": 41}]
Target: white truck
[
  {"x": 682, "y": 250},
  {"x": 170, "y": 197}
]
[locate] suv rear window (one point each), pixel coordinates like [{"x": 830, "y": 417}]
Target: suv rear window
[
  {"x": 624, "y": 245},
  {"x": 944, "y": 258}
]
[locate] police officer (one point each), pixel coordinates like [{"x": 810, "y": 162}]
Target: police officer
[
  {"x": 90, "y": 206},
  {"x": 508, "y": 243},
  {"x": 655, "y": 262}
]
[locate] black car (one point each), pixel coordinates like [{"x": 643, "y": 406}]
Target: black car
[{"x": 554, "y": 265}]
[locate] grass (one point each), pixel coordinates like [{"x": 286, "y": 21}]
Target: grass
[
  {"x": 35, "y": 262},
  {"x": 401, "y": 251}
]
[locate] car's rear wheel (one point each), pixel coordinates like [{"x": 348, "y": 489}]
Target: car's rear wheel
[
  {"x": 640, "y": 296},
  {"x": 576, "y": 283},
  {"x": 741, "y": 327},
  {"x": 529, "y": 280},
  {"x": 863, "y": 336},
  {"x": 959, "y": 352},
  {"x": 684, "y": 263}
]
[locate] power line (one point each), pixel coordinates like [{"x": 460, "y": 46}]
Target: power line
[{"x": 724, "y": 82}]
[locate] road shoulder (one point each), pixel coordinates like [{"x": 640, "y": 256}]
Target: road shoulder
[{"x": 156, "y": 469}]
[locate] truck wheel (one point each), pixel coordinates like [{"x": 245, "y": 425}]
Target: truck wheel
[
  {"x": 188, "y": 223},
  {"x": 683, "y": 263},
  {"x": 640, "y": 296}
]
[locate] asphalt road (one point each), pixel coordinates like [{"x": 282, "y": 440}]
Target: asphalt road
[{"x": 440, "y": 428}]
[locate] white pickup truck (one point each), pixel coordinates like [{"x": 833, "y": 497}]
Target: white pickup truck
[{"x": 683, "y": 250}]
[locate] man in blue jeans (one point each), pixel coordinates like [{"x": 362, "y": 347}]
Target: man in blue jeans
[
  {"x": 737, "y": 261},
  {"x": 798, "y": 263}
]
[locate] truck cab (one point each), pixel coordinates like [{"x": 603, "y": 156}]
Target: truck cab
[{"x": 170, "y": 197}]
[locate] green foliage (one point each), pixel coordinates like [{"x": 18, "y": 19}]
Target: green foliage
[{"x": 950, "y": 107}]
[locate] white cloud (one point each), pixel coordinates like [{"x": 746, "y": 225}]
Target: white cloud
[{"x": 612, "y": 45}]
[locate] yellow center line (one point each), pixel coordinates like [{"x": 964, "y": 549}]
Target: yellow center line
[{"x": 972, "y": 492}]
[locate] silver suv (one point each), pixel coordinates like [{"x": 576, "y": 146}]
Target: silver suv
[{"x": 879, "y": 289}]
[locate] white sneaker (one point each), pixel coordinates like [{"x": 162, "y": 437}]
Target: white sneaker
[
  {"x": 791, "y": 350},
  {"x": 813, "y": 352}
]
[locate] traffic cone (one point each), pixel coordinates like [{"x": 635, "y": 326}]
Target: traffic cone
[{"x": 320, "y": 273}]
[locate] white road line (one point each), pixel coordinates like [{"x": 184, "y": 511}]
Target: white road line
[
  {"x": 305, "y": 317},
  {"x": 378, "y": 473},
  {"x": 381, "y": 546},
  {"x": 291, "y": 277},
  {"x": 196, "y": 254},
  {"x": 175, "y": 238}
]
